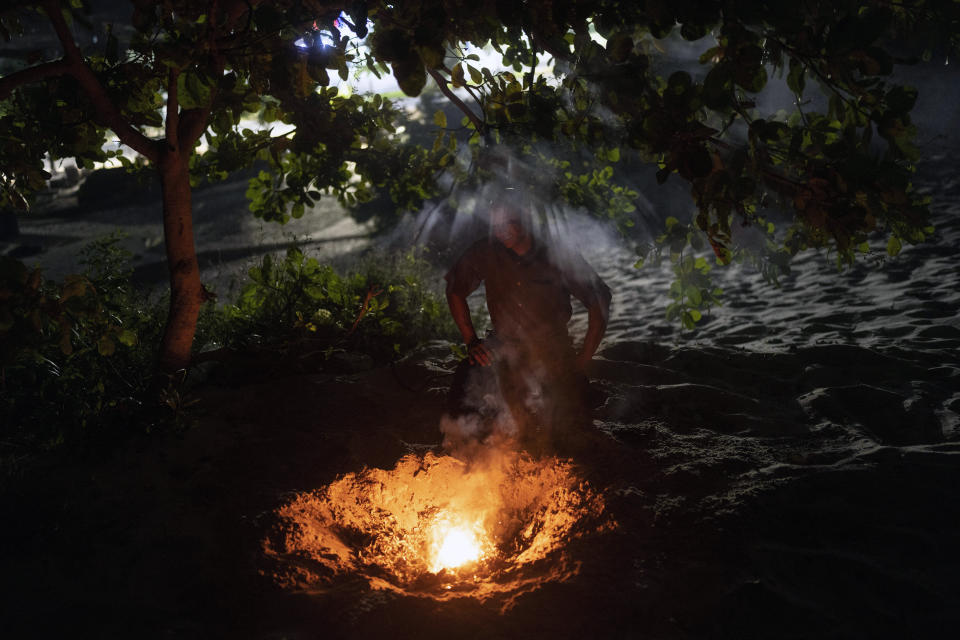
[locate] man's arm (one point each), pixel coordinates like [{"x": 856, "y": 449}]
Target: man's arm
[
  {"x": 477, "y": 351},
  {"x": 598, "y": 315}
]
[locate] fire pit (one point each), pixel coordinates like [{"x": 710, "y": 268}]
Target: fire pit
[{"x": 439, "y": 527}]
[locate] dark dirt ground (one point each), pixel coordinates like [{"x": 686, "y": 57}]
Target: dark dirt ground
[{"x": 727, "y": 528}]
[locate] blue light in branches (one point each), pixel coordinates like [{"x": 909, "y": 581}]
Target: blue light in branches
[{"x": 320, "y": 38}]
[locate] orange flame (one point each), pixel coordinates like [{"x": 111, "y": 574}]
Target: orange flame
[
  {"x": 435, "y": 522},
  {"x": 455, "y": 544}
]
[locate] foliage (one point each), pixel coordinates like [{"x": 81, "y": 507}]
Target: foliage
[
  {"x": 190, "y": 71},
  {"x": 382, "y": 308},
  {"x": 58, "y": 390},
  {"x": 79, "y": 314},
  {"x": 692, "y": 291},
  {"x": 839, "y": 158},
  {"x": 77, "y": 355}
]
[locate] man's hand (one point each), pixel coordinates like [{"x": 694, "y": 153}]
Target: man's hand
[
  {"x": 598, "y": 313},
  {"x": 479, "y": 353}
]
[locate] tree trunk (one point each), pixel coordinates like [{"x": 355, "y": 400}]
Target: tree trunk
[{"x": 186, "y": 292}]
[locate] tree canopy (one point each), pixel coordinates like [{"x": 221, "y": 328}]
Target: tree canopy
[{"x": 175, "y": 84}]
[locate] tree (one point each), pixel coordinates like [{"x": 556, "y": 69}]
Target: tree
[
  {"x": 192, "y": 68},
  {"x": 190, "y": 71},
  {"x": 839, "y": 159}
]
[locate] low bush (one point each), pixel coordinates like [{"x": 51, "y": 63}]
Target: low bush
[
  {"x": 77, "y": 355},
  {"x": 77, "y": 358},
  {"x": 384, "y": 307}
]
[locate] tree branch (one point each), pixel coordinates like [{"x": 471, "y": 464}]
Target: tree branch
[
  {"x": 193, "y": 123},
  {"x": 445, "y": 90},
  {"x": 372, "y": 293},
  {"x": 172, "y": 124},
  {"x": 545, "y": 45},
  {"x": 533, "y": 62},
  {"x": 107, "y": 112},
  {"x": 10, "y": 82},
  {"x": 236, "y": 9}
]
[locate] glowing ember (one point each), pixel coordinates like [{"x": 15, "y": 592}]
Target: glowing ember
[
  {"x": 438, "y": 526},
  {"x": 454, "y": 547}
]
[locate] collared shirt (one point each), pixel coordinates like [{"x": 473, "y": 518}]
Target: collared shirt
[{"x": 528, "y": 296}]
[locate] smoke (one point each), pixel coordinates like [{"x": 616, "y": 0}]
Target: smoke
[
  {"x": 531, "y": 183},
  {"x": 512, "y": 403},
  {"x": 482, "y": 418},
  {"x": 525, "y": 400}
]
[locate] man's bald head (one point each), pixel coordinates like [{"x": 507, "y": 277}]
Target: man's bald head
[{"x": 510, "y": 225}]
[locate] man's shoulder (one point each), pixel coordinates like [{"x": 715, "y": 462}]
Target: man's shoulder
[
  {"x": 481, "y": 244},
  {"x": 472, "y": 264},
  {"x": 481, "y": 249}
]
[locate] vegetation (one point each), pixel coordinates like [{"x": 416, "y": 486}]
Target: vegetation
[
  {"x": 382, "y": 309},
  {"x": 77, "y": 359},
  {"x": 77, "y": 355},
  {"x": 186, "y": 74},
  {"x": 838, "y": 159}
]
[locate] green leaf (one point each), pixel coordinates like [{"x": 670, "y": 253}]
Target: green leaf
[
  {"x": 192, "y": 91},
  {"x": 894, "y": 246},
  {"x": 619, "y": 47},
  {"x": 432, "y": 55},
  {"x": 475, "y": 76},
  {"x": 410, "y": 75},
  {"x": 679, "y": 82},
  {"x": 796, "y": 79},
  {"x": 753, "y": 79},
  {"x": 106, "y": 346},
  {"x": 440, "y": 119},
  {"x": 709, "y": 54},
  {"x": 901, "y": 99},
  {"x": 456, "y": 76},
  {"x": 127, "y": 337},
  {"x": 718, "y": 87}
]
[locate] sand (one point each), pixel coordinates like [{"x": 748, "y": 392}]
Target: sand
[{"x": 228, "y": 238}]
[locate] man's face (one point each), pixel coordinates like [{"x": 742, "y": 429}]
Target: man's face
[{"x": 506, "y": 227}]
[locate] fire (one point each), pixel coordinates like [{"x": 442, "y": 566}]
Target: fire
[
  {"x": 438, "y": 526},
  {"x": 454, "y": 546}
]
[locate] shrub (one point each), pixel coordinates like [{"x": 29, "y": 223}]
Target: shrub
[
  {"x": 384, "y": 307},
  {"x": 77, "y": 355},
  {"x": 77, "y": 358}
]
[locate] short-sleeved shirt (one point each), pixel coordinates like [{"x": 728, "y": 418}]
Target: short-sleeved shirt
[{"x": 528, "y": 296}]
